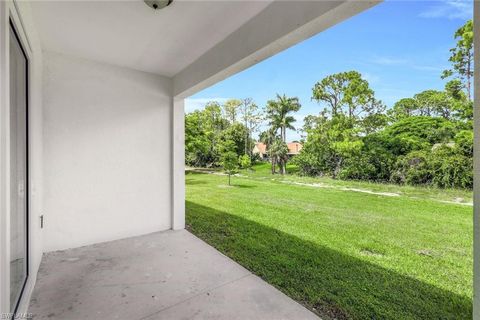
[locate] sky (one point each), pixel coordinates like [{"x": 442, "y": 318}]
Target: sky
[{"x": 400, "y": 48}]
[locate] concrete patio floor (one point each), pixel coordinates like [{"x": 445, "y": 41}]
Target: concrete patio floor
[{"x": 164, "y": 275}]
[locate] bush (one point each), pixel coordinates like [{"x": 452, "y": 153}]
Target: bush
[
  {"x": 423, "y": 129},
  {"x": 358, "y": 169},
  {"x": 244, "y": 161},
  {"x": 308, "y": 163},
  {"x": 256, "y": 158},
  {"x": 412, "y": 169},
  {"x": 464, "y": 142},
  {"x": 450, "y": 168}
]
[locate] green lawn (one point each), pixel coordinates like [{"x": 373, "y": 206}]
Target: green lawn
[{"x": 339, "y": 250}]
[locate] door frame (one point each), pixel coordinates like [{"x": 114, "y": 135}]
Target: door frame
[{"x": 14, "y": 29}]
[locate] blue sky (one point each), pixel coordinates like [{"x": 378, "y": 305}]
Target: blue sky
[{"x": 400, "y": 47}]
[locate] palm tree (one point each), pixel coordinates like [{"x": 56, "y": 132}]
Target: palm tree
[
  {"x": 268, "y": 137},
  {"x": 278, "y": 153},
  {"x": 278, "y": 111}
]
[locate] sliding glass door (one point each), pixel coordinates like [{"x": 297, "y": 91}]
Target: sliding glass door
[{"x": 18, "y": 170}]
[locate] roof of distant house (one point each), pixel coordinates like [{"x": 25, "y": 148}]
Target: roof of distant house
[
  {"x": 294, "y": 147},
  {"x": 261, "y": 147}
]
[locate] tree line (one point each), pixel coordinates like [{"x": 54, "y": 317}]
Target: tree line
[{"x": 426, "y": 139}]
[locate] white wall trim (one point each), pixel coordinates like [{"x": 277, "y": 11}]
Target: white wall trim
[
  {"x": 20, "y": 27},
  {"x": 476, "y": 164},
  {"x": 4, "y": 160},
  {"x": 178, "y": 165}
]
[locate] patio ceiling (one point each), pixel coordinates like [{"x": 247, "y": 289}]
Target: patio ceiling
[
  {"x": 196, "y": 42},
  {"x": 130, "y": 34}
]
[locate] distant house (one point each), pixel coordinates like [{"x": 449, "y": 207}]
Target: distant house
[
  {"x": 294, "y": 148},
  {"x": 260, "y": 148}
]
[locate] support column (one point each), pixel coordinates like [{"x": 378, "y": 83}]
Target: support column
[
  {"x": 476, "y": 164},
  {"x": 178, "y": 165},
  {"x": 4, "y": 160}
]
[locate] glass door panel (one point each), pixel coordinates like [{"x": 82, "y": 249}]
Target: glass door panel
[{"x": 18, "y": 170}]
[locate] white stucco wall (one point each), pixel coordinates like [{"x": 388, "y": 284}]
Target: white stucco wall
[{"x": 107, "y": 158}]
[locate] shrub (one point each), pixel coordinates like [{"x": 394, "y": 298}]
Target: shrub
[
  {"x": 450, "y": 168},
  {"x": 464, "y": 142},
  {"x": 425, "y": 129},
  {"x": 244, "y": 161},
  {"x": 412, "y": 169}
]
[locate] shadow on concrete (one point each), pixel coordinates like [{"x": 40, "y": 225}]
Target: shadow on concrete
[{"x": 330, "y": 283}]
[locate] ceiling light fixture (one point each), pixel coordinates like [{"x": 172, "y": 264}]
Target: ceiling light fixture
[{"x": 158, "y": 4}]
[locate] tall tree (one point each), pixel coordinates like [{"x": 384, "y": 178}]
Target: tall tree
[
  {"x": 278, "y": 152},
  {"x": 230, "y": 109},
  {"x": 279, "y": 113},
  {"x": 403, "y": 108},
  {"x": 345, "y": 92},
  {"x": 433, "y": 103},
  {"x": 461, "y": 57},
  {"x": 251, "y": 117},
  {"x": 280, "y": 118},
  {"x": 462, "y": 107},
  {"x": 268, "y": 137},
  {"x": 214, "y": 124}
]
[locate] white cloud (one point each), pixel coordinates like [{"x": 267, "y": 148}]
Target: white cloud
[
  {"x": 450, "y": 9},
  {"x": 429, "y": 68},
  {"x": 390, "y": 61},
  {"x": 199, "y": 103},
  {"x": 371, "y": 78}
]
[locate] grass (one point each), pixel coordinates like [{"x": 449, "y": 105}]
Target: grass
[{"x": 343, "y": 253}]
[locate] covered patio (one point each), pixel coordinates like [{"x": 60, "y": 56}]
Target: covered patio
[
  {"x": 92, "y": 220},
  {"x": 163, "y": 275}
]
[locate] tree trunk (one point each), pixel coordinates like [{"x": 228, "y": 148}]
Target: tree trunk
[
  {"x": 246, "y": 143},
  {"x": 468, "y": 80},
  {"x": 338, "y": 167},
  {"x": 229, "y": 180},
  {"x": 247, "y": 133}
]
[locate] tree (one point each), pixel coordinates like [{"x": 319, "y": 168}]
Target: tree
[
  {"x": 202, "y": 134},
  {"x": 328, "y": 147},
  {"x": 461, "y": 106},
  {"x": 278, "y": 112},
  {"x": 230, "y": 109},
  {"x": 251, "y": 117},
  {"x": 403, "y": 108},
  {"x": 229, "y": 159},
  {"x": 245, "y": 162},
  {"x": 268, "y": 137},
  {"x": 279, "y": 153},
  {"x": 347, "y": 93},
  {"x": 197, "y": 144},
  {"x": 433, "y": 103},
  {"x": 374, "y": 122},
  {"x": 461, "y": 57},
  {"x": 237, "y": 133}
]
